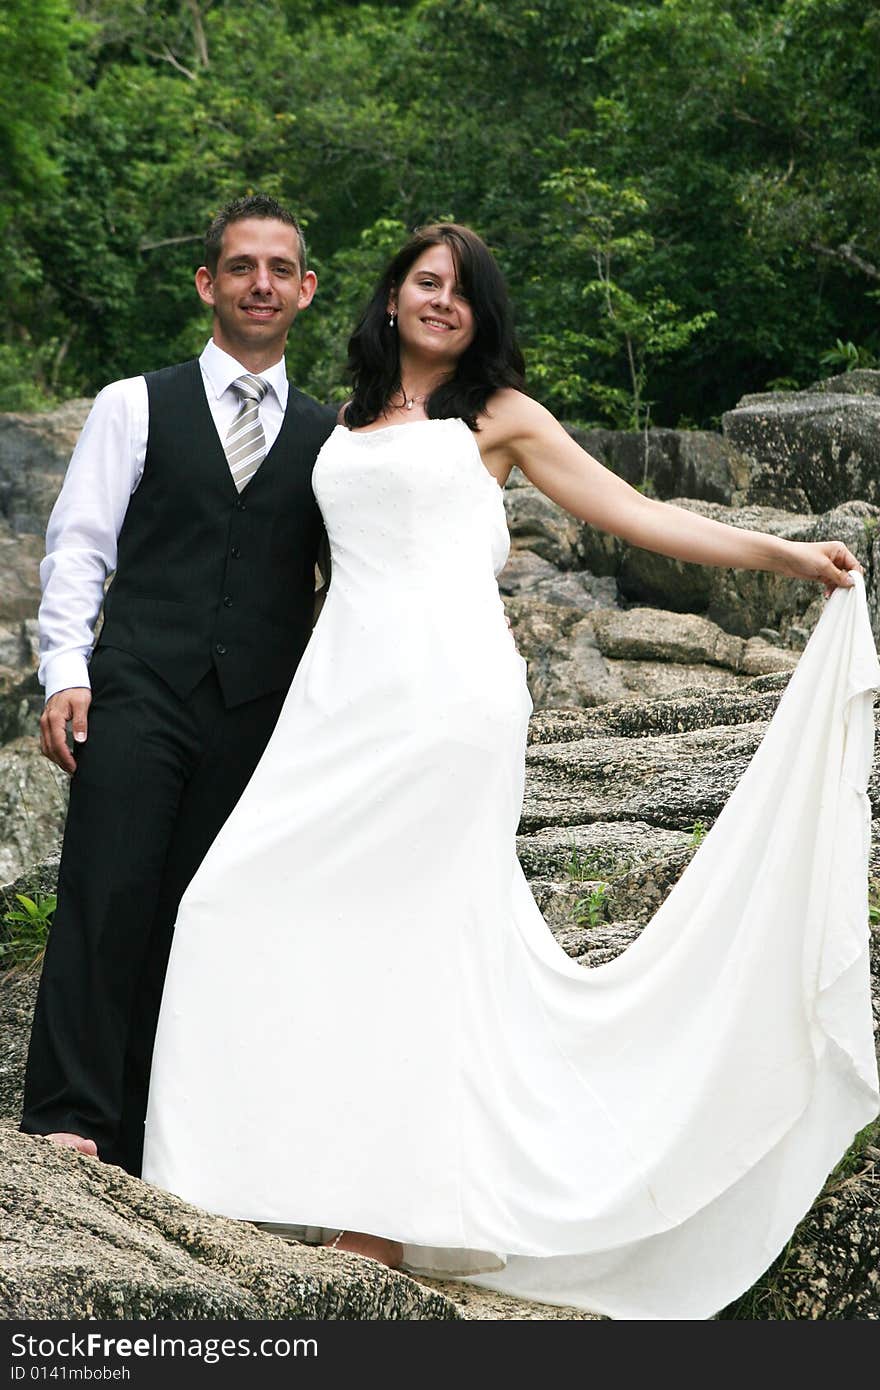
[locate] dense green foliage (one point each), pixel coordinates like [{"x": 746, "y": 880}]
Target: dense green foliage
[{"x": 684, "y": 194}]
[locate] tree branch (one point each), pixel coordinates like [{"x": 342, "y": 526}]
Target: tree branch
[
  {"x": 198, "y": 32},
  {"x": 60, "y": 355},
  {"x": 846, "y": 254},
  {"x": 168, "y": 241},
  {"x": 166, "y": 56}
]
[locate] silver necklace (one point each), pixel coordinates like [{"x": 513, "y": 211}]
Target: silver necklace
[{"x": 409, "y": 401}]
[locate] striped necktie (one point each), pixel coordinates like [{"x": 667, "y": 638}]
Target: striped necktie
[{"x": 245, "y": 444}]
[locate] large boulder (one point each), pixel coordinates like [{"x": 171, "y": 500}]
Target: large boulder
[
  {"x": 34, "y": 453},
  {"x": 862, "y": 381},
  {"x": 21, "y": 703},
  {"x": 671, "y": 463},
  {"x": 585, "y": 769},
  {"x": 819, "y": 447},
  {"x": 87, "y": 1241},
  {"x": 84, "y": 1240},
  {"x": 20, "y": 557},
  {"x": 33, "y": 805},
  {"x": 565, "y": 665},
  {"x": 537, "y": 524},
  {"x": 653, "y": 635},
  {"x": 743, "y": 602},
  {"x": 529, "y": 575},
  {"x": 580, "y": 659},
  {"x": 676, "y": 713},
  {"x": 667, "y": 780}
]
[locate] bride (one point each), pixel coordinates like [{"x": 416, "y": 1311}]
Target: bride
[{"x": 368, "y": 1036}]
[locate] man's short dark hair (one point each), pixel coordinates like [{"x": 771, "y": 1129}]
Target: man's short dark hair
[{"x": 255, "y": 205}]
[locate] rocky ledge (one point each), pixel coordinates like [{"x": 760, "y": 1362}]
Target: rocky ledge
[
  {"x": 617, "y": 800},
  {"x": 652, "y": 682}
]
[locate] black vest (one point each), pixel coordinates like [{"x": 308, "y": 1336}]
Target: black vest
[{"x": 204, "y": 575}]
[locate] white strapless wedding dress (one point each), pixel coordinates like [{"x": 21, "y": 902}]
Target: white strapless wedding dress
[{"x": 367, "y": 1023}]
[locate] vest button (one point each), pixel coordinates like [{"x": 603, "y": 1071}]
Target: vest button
[
  {"x": 220, "y": 649},
  {"x": 227, "y": 601},
  {"x": 240, "y": 505},
  {"x": 235, "y": 552}
]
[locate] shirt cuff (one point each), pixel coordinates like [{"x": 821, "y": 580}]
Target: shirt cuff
[{"x": 65, "y": 670}]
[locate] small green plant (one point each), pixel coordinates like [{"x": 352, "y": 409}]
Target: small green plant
[
  {"x": 579, "y": 866},
  {"x": 862, "y": 1152},
  {"x": 589, "y": 910},
  {"x": 767, "y": 1300},
  {"x": 27, "y": 929},
  {"x": 869, "y": 526},
  {"x": 847, "y": 356},
  {"x": 874, "y": 902},
  {"x": 699, "y": 830},
  {"x": 585, "y": 866}
]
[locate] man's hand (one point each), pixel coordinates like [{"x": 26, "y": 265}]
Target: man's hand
[{"x": 63, "y": 708}]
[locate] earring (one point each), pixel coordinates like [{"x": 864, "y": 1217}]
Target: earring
[{"x": 391, "y": 318}]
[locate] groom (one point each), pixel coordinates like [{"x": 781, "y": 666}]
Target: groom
[{"x": 193, "y": 483}]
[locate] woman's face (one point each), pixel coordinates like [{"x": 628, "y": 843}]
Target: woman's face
[{"x": 434, "y": 318}]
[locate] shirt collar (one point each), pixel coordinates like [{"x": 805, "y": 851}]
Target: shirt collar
[{"x": 222, "y": 370}]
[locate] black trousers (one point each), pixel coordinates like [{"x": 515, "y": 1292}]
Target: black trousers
[{"x": 154, "y": 782}]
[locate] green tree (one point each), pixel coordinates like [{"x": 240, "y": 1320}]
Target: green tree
[
  {"x": 35, "y": 93},
  {"x": 749, "y": 129},
  {"x": 594, "y": 232}
]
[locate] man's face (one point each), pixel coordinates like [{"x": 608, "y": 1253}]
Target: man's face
[{"x": 258, "y": 289}]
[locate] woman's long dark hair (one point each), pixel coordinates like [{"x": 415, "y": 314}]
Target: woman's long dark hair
[{"x": 491, "y": 360}]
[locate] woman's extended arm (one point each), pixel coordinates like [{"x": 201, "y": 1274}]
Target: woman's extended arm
[{"x": 522, "y": 432}]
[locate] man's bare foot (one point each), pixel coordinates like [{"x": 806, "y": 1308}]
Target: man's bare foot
[
  {"x": 387, "y": 1252},
  {"x": 75, "y": 1141}
]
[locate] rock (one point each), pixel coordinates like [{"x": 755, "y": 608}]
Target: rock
[
  {"x": 605, "y": 941},
  {"x": 100, "y": 1244},
  {"x": 821, "y": 445},
  {"x": 565, "y": 666},
  {"x": 756, "y": 699},
  {"x": 679, "y": 463},
  {"x": 744, "y": 601},
  {"x": 528, "y": 575},
  {"x": 33, "y": 805},
  {"x": 34, "y": 453},
  {"x": 594, "y": 852},
  {"x": 86, "y": 1240},
  {"x": 21, "y": 702},
  {"x": 831, "y": 1267},
  {"x": 643, "y": 680},
  {"x": 535, "y": 523},
  {"x": 862, "y": 381},
  {"x": 651, "y": 635},
  {"x": 16, "y": 646},
  {"x": 577, "y": 659},
  {"x": 624, "y": 870},
  {"x": 18, "y": 993},
  {"x": 760, "y": 658},
  {"x": 666, "y": 780},
  {"x": 640, "y": 634},
  {"x": 20, "y": 558},
  {"x": 487, "y": 1305}
]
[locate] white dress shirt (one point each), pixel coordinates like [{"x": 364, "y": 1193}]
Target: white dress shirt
[{"x": 105, "y": 469}]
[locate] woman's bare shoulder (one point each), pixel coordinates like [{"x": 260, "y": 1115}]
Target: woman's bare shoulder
[{"x": 511, "y": 416}]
